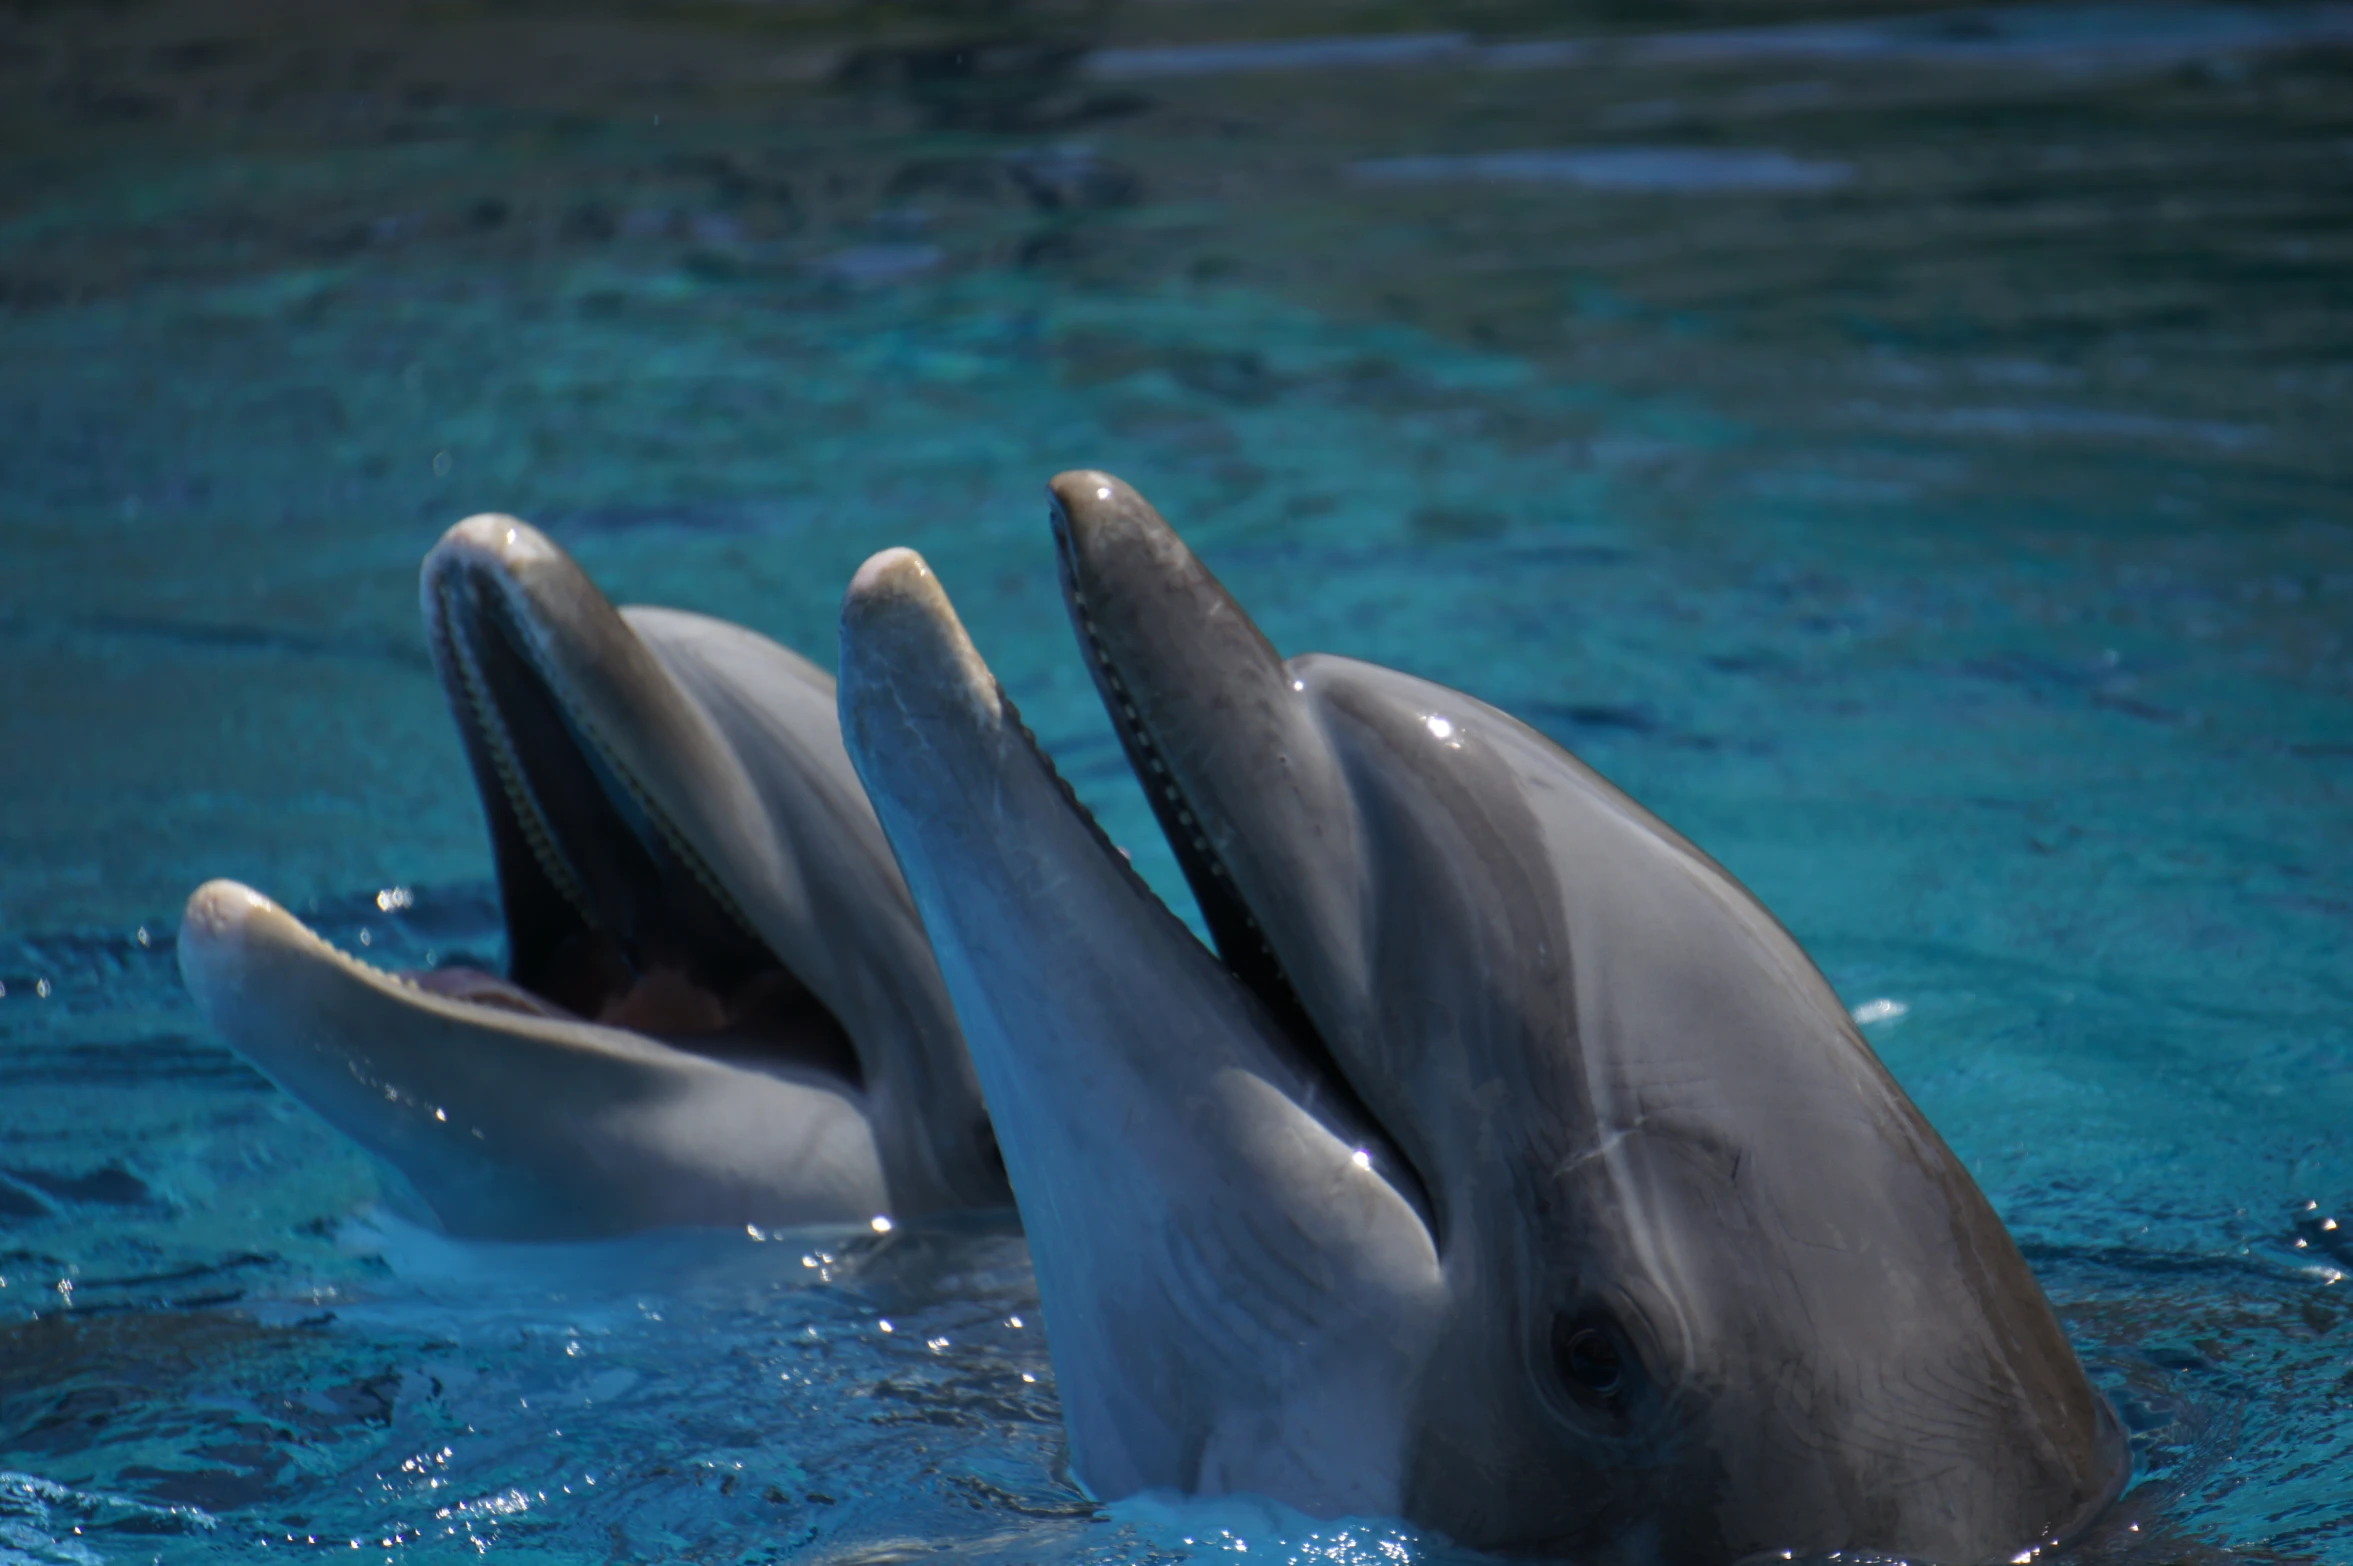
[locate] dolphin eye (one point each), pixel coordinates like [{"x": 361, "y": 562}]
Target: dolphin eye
[{"x": 1593, "y": 1363}]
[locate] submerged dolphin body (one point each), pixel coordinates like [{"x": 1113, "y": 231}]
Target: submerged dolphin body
[
  {"x": 720, "y": 1006},
  {"x": 1514, "y": 1173}
]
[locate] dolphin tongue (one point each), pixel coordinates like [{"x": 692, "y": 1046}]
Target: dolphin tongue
[
  {"x": 768, "y": 1014},
  {"x": 477, "y": 988}
]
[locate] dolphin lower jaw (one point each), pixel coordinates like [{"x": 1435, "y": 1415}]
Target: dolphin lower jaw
[{"x": 513, "y": 1123}]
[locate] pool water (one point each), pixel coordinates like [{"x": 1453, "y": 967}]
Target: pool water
[{"x": 1903, "y": 447}]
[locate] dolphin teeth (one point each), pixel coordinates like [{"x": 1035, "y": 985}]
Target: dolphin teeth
[{"x": 536, "y": 831}]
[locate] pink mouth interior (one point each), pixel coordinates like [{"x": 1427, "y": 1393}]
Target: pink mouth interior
[{"x": 770, "y": 1016}]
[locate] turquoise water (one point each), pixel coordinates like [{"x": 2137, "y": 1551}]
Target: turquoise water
[{"x": 1904, "y": 448}]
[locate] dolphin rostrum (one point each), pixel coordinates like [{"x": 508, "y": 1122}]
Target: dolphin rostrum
[
  {"x": 1514, "y": 1172},
  {"x": 720, "y": 1007}
]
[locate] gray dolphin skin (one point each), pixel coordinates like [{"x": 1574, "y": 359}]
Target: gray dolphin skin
[
  {"x": 720, "y": 1005},
  {"x": 1512, "y": 1171}
]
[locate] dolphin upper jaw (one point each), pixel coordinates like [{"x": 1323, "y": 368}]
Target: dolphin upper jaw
[
  {"x": 1060, "y": 959},
  {"x": 1198, "y": 696},
  {"x": 494, "y": 577}
]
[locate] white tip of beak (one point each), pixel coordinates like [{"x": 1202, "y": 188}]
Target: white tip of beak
[
  {"x": 903, "y": 646},
  {"x": 223, "y": 927},
  {"x": 497, "y": 540}
]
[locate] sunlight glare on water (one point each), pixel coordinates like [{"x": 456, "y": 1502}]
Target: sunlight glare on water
[{"x": 1904, "y": 448}]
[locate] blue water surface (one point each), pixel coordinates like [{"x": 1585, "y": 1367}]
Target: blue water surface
[{"x": 1905, "y": 448}]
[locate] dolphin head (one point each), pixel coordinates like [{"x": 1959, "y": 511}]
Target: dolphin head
[
  {"x": 685, "y": 861},
  {"x": 1704, "y": 1283}
]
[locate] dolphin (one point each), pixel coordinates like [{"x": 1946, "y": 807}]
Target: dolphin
[
  {"x": 1507, "y": 1168},
  {"x": 720, "y": 1007}
]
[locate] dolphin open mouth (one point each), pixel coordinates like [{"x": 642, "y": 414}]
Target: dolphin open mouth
[
  {"x": 612, "y": 915},
  {"x": 903, "y": 638},
  {"x": 1199, "y": 832},
  {"x": 1241, "y": 944}
]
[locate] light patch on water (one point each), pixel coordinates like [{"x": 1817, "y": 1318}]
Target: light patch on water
[
  {"x": 1668, "y": 170},
  {"x": 1288, "y": 54},
  {"x": 876, "y": 264},
  {"x": 2067, "y": 37},
  {"x": 1880, "y": 1010},
  {"x": 2047, "y": 421}
]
